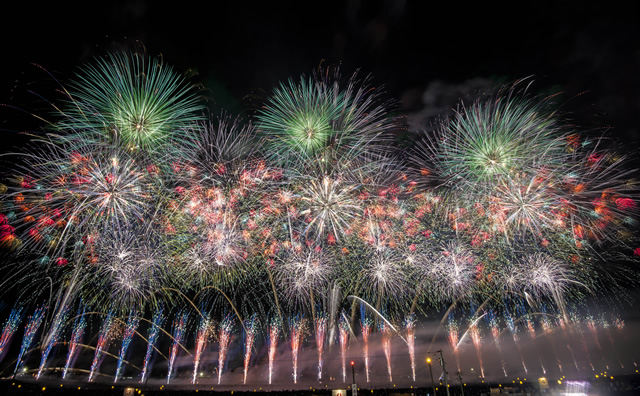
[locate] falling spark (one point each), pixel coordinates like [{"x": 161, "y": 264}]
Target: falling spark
[
  {"x": 386, "y": 345},
  {"x": 321, "y": 329},
  {"x": 476, "y": 338},
  {"x": 343, "y": 334},
  {"x": 365, "y": 325}
]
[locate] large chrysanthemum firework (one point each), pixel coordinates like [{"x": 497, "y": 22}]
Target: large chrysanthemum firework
[
  {"x": 452, "y": 275},
  {"x": 213, "y": 257},
  {"x": 142, "y": 102},
  {"x": 317, "y": 121},
  {"x": 544, "y": 276},
  {"x": 526, "y": 204},
  {"x": 303, "y": 274},
  {"x": 330, "y": 205},
  {"x": 385, "y": 276},
  {"x": 127, "y": 269}
]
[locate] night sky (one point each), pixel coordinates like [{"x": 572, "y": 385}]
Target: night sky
[{"x": 418, "y": 50}]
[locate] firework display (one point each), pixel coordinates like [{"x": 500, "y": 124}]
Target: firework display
[{"x": 137, "y": 208}]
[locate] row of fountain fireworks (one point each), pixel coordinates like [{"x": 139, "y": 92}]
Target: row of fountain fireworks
[{"x": 323, "y": 330}]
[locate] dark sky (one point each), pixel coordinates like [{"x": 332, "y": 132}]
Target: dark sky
[{"x": 241, "y": 49}]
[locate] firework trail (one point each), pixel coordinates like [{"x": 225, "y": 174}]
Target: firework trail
[
  {"x": 129, "y": 331},
  {"x": 608, "y": 331},
  {"x": 555, "y": 354},
  {"x": 386, "y": 345},
  {"x": 343, "y": 335},
  {"x": 54, "y": 335},
  {"x": 10, "y": 327},
  {"x": 76, "y": 338},
  {"x": 251, "y": 328},
  {"x": 477, "y": 343},
  {"x": 495, "y": 333},
  {"x": 274, "y": 334},
  {"x": 224, "y": 337},
  {"x": 33, "y": 323},
  {"x": 578, "y": 328},
  {"x": 514, "y": 333},
  {"x": 547, "y": 329},
  {"x": 154, "y": 331},
  {"x": 105, "y": 335},
  {"x": 296, "y": 328},
  {"x": 365, "y": 325},
  {"x": 410, "y": 325},
  {"x": 593, "y": 328},
  {"x": 321, "y": 329},
  {"x": 619, "y": 325},
  {"x": 453, "y": 337},
  {"x": 202, "y": 336},
  {"x": 178, "y": 330},
  {"x": 530, "y": 326}
]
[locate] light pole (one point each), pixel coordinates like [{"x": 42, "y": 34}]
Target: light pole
[
  {"x": 433, "y": 384},
  {"x": 354, "y": 388},
  {"x": 444, "y": 369},
  {"x": 460, "y": 379}
]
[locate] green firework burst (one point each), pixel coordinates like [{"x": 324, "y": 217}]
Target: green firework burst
[
  {"x": 491, "y": 140},
  {"x": 316, "y": 121},
  {"x": 133, "y": 99}
]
